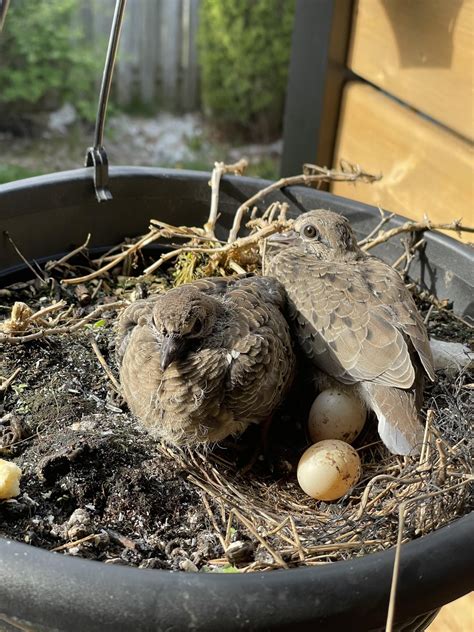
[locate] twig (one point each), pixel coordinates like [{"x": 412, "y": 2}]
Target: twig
[
  {"x": 409, "y": 253},
  {"x": 243, "y": 242},
  {"x": 351, "y": 172},
  {"x": 213, "y": 521},
  {"x": 396, "y": 568},
  {"x": 298, "y": 544},
  {"x": 323, "y": 175},
  {"x": 104, "y": 365},
  {"x": 428, "y": 314},
  {"x": 147, "y": 239},
  {"x": 40, "y": 278},
  {"x": 276, "y": 556},
  {"x": 401, "y": 524},
  {"x": 69, "y": 545},
  {"x": 384, "y": 220},
  {"x": 219, "y": 170},
  {"x": 65, "y": 329},
  {"x": 425, "y": 445},
  {"x": 423, "y": 225},
  {"x": 46, "y": 310},
  {"x": 6, "y": 382},
  {"x": 53, "y": 264}
]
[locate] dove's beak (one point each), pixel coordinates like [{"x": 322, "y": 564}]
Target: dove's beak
[
  {"x": 283, "y": 239},
  {"x": 170, "y": 349}
]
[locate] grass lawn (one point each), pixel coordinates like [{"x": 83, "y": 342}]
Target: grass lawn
[{"x": 8, "y": 173}]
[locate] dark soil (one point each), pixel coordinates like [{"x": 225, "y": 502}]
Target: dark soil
[{"x": 95, "y": 484}]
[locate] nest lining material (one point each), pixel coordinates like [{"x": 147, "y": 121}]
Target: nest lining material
[{"x": 286, "y": 527}]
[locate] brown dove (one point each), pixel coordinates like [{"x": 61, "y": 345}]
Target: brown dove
[
  {"x": 206, "y": 359},
  {"x": 356, "y": 321}
]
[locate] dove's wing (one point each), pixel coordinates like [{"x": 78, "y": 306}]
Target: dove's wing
[
  {"x": 259, "y": 346},
  {"x": 354, "y": 318},
  {"x": 267, "y": 289},
  {"x": 138, "y": 313}
]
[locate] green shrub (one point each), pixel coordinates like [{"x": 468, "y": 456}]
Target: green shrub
[
  {"x": 45, "y": 59},
  {"x": 244, "y": 48}
]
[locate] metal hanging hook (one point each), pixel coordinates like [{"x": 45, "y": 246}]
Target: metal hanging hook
[{"x": 96, "y": 156}]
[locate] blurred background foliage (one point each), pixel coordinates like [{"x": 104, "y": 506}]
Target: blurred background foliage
[
  {"x": 244, "y": 50},
  {"x": 46, "y": 60},
  {"x": 52, "y": 54}
]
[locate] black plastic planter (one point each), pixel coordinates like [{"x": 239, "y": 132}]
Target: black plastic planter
[{"x": 44, "y": 591}]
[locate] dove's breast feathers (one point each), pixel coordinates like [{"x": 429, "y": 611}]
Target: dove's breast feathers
[{"x": 234, "y": 376}]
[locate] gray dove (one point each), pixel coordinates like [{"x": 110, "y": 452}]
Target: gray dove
[
  {"x": 206, "y": 359},
  {"x": 357, "y": 322}
]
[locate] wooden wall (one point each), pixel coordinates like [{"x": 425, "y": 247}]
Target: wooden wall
[{"x": 414, "y": 119}]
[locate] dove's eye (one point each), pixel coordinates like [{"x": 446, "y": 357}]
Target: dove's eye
[{"x": 310, "y": 232}]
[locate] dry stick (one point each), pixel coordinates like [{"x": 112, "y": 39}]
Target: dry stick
[
  {"x": 384, "y": 220},
  {"x": 65, "y": 329},
  {"x": 408, "y": 253},
  {"x": 6, "y": 382},
  {"x": 243, "y": 242},
  {"x": 233, "y": 265},
  {"x": 299, "y": 546},
  {"x": 424, "y": 446},
  {"x": 408, "y": 227},
  {"x": 428, "y": 314},
  {"x": 69, "y": 545},
  {"x": 276, "y": 556},
  {"x": 147, "y": 239},
  {"x": 352, "y": 171},
  {"x": 46, "y": 310},
  {"x": 442, "y": 461},
  {"x": 53, "y": 264},
  {"x": 213, "y": 521},
  {"x": 188, "y": 232},
  {"x": 219, "y": 170},
  {"x": 401, "y": 524},
  {"x": 326, "y": 176},
  {"x": 364, "y": 501},
  {"x": 40, "y": 278},
  {"x": 104, "y": 365},
  {"x": 396, "y": 568}
]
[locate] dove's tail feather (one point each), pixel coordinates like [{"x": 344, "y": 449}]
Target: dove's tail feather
[{"x": 399, "y": 426}]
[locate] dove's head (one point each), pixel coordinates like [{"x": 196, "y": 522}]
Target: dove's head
[
  {"x": 326, "y": 234},
  {"x": 181, "y": 316}
]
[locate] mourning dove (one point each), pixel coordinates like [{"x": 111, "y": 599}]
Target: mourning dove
[
  {"x": 357, "y": 322},
  {"x": 206, "y": 359}
]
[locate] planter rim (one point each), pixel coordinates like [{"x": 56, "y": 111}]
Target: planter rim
[
  {"x": 96, "y": 596},
  {"x": 85, "y": 174},
  {"x": 297, "y": 596}
]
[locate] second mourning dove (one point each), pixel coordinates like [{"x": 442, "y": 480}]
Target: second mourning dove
[
  {"x": 357, "y": 322},
  {"x": 206, "y": 359}
]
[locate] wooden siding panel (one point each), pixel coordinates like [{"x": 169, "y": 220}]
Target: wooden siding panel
[
  {"x": 426, "y": 169},
  {"x": 421, "y": 52}
]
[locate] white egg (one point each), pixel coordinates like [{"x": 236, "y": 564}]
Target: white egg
[
  {"x": 336, "y": 414},
  {"x": 10, "y": 475},
  {"x": 327, "y": 470}
]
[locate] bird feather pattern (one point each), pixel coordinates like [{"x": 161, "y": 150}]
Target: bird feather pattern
[
  {"x": 356, "y": 321},
  {"x": 234, "y": 369}
]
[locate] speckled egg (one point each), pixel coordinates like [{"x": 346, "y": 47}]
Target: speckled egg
[
  {"x": 336, "y": 414},
  {"x": 328, "y": 470}
]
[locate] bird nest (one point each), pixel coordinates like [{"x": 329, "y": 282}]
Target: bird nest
[{"x": 255, "y": 520}]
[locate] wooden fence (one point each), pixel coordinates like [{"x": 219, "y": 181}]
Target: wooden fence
[{"x": 157, "y": 63}]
